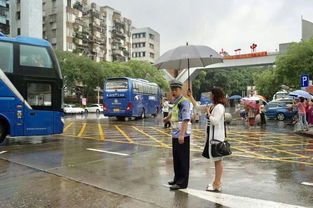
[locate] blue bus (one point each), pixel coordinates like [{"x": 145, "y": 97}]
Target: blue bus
[
  {"x": 205, "y": 98},
  {"x": 31, "y": 88},
  {"x": 127, "y": 97}
]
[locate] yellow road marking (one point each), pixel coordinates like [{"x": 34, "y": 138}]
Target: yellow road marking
[
  {"x": 151, "y": 137},
  {"x": 163, "y": 132},
  {"x": 301, "y": 150},
  {"x": 198, "y": 150},
  {"x": 260, "y": 156},
  {"x": 290, "y": 145},
  {"x": 82, "y": 130},
  {"x": 271, "y": 148},
  {"x": 101, "y": 132},
  {"x": 288, "y": 158},
  {"x": 124, "y": 134},
  {"x": 67, "y": 127}
]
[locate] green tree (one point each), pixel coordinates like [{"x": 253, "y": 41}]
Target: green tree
[
  {"x": 82, "y": 75},
  {"x": 233, "y": 81},
  {"x": 289, "y": 68}
]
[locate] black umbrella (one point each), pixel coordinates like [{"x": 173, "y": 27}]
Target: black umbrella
[{"x": 188, "y": 56}]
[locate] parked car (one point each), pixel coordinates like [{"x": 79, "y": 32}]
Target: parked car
[
  {"x": 287, "y": 102},
  {"x": 277, "y": 110},
  {"x": 94, "y": 108},
  {"x": 71, "y": 108}
]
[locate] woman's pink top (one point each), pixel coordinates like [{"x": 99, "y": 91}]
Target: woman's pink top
[{"x": 301, "y": 108}]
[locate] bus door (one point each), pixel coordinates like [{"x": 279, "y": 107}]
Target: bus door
[
  {"x": 38, "y": 122},
  {"x": 39, "y": 119}
]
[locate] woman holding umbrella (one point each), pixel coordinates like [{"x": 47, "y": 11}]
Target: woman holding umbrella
[{"x": 215, "y": 117}]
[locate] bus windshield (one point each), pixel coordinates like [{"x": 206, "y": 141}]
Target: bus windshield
[{"x": 117, "y": 84}]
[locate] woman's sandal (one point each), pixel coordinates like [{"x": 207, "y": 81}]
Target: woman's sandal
[{"x": 211, "y": 188}]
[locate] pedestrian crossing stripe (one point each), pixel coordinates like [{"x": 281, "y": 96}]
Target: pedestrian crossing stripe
[{"x": 237, "y": 201}]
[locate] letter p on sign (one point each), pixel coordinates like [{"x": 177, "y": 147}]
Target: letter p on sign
[{"x": 304, "y": 81}]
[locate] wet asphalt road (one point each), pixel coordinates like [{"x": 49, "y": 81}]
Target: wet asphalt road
[{"x": 100, "y": 162}]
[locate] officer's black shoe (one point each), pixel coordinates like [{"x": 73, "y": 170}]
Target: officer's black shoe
[
  {"x": 171, "y": 183},
  {"x": 176, "y": 187}
]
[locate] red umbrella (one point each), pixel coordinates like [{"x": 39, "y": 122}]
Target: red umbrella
[{"x": 251, "y": 103}]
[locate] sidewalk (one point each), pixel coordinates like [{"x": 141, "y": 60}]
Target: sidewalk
[{"x": 306, "y": 133}]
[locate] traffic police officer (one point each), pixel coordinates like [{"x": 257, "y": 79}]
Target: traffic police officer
[{"x": 181, "y": 129}]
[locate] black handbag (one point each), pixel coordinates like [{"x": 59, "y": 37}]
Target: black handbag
[{"x": 218, "y": 148}]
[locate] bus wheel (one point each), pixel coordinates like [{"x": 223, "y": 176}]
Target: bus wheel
[{"x": 3, "y": 132}]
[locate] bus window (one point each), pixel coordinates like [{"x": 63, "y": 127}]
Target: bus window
[
  {"x": 6, "y": 54},
  {"x": 113, "y": 85},
  {"x": 39, "y": 94},
  {"x": 35, "y": 57},
  {"x": 135, "y": 87}
]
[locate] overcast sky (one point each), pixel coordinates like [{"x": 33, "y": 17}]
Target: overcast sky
[{"x": 227, "y": 24}]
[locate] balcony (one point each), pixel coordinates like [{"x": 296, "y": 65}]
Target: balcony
[
  {"x": 120, "y": 23},
  {"x": 117, "y": 52},
  {"x": 119, "y": 58},
  {"x": 119, "y": 34}
]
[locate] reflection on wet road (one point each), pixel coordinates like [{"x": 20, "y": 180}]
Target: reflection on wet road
[
  {"x": 254, "y": 143},
  {"x": 100, "y": 162}
]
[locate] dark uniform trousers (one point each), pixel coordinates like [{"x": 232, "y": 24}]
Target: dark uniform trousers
[{"x": 181, "y": 156}]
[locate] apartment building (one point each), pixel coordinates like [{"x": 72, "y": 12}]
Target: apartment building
[
  {"x": 100, "y": 33},
  {"x": 26, "y": 18},
  {"x": 4, "y": 17},
  {"x": 118, "y": 34},
  {"x": 145, "y": 44}
]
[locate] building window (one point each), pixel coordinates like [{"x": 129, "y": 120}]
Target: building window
[
  {"x": 18, "y": 31},
  {"x": 69, "y": 46},
  {"x": 143, "y": 54},
  {"x": 18, "y": 15},
  {"x": 54, "y": 33},
  {"x": 151, "y": 55},
  {"x": 54, "y": 4},
  {"x": 151, "y": 36},
  {"x": 151, "y": 45}
]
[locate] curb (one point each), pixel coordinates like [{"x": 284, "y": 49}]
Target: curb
[{"x": 304, "y": 133}]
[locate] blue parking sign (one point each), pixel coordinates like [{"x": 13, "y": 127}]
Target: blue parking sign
[{"x": 304, "y": 80}]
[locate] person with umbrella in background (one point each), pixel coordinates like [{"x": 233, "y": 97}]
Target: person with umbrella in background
[
  {"x": 302, "y": 114},
  {"x": 262, "y": 113},
  {"x": 165, "y": 110},
  {"x": 181, "y": 130}
]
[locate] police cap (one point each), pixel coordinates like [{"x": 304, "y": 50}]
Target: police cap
[{"x": 175, "y": 84}]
